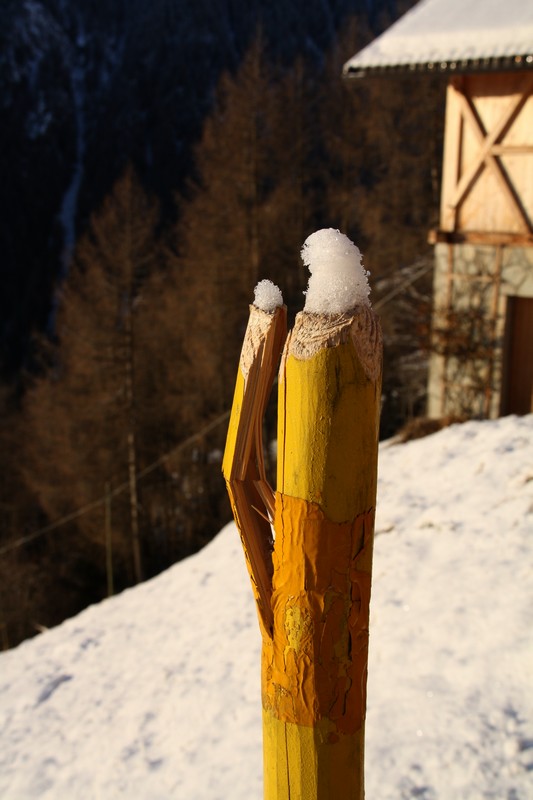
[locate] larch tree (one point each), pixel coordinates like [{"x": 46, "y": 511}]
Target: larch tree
[
  {"x": 24, "y": 589},
  {"x": 84, "y": 414},
  {"x": 296, "y": 204},
  {"x": 223, "y": 247}
]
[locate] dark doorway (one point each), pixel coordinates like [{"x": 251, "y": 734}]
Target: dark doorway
[{"x": 517, "y": 388}]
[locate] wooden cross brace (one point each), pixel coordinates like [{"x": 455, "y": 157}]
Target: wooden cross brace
[{"x": 491, "y": 148}]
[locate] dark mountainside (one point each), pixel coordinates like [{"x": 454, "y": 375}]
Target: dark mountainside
[
  {"x": 87, "y": 87},
  {"x": 157, "y": 160}
]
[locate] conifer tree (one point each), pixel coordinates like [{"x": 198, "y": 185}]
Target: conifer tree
[
  {"x": 222, "y": 234},
  {"x": 118, "y": 396},
  {"x": 84, "y": 414},
  {"x": 296, "y": 206},
  {"x": 24, "y": 590}
]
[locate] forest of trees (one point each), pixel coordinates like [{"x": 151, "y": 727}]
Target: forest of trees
[{"x": 111, "y": 442}]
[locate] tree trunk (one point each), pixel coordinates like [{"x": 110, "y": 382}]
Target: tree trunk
[{"x": 131, "y": 444}]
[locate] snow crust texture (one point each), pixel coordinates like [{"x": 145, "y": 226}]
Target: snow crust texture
[
  {"x": 338, "y": 281},
  {"x": 155, "y": 694}
]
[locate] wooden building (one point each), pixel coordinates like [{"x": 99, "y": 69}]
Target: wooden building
[{"x": 482, "y": 355}]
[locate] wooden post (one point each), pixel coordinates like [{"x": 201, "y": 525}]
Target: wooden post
[
  {"x": 312, "y": 584},
  {"x": 315, "y": 666}
]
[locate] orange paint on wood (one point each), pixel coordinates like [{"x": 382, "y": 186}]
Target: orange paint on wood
[{"x": 316, "y": 666}]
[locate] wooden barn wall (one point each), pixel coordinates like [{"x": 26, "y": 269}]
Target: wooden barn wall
[{"x": 488, "y": 154}]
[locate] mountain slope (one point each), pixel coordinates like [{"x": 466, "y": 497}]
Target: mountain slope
[{"x": 86, "y": 87}]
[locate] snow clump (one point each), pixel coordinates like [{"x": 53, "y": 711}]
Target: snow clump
[
  {"x": 267, "y": 296},
  {"x": 338, "y": 281}
]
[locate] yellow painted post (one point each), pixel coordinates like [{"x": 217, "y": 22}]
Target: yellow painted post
[
  {"x": 318, "y": 578},
  {"x": 315, "y": 665}
]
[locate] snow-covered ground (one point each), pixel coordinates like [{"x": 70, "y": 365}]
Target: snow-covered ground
[{"x": 154, "y": 694}]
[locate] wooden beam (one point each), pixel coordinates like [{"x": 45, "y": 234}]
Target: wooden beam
[
  {"x": 437, "y": 236},
  {"x": 485, "y": 158},
  {"x": 452, "y": 153},
  {"x": 496, "y": 278},
  {"x": 511, "y": 149},
  {"x": 486, "y": 139}
]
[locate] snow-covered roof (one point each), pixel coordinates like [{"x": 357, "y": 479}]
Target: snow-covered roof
[{"x": 452, "y": 35}]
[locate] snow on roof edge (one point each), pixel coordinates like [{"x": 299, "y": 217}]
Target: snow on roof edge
[
  {"x": 439, "y": 36},
  {"x": 460, "y": 67}
]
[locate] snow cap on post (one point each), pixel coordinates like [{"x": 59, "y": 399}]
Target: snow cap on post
[
  {"x": 267, "y": 296},
  {"x": 338, "y": 281}
]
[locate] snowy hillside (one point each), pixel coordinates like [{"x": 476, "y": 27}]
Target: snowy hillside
[{"x": 154, "y": 694}]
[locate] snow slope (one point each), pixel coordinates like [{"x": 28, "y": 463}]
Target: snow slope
[{"x": 154, "y": 694}]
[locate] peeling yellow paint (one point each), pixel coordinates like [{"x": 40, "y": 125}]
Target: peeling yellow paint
[
  {"x": 315, "y": 666},
  {"x": 298, "y": 629}
]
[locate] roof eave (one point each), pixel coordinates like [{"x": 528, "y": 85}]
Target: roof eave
[{"x": 445, "y": 68}]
